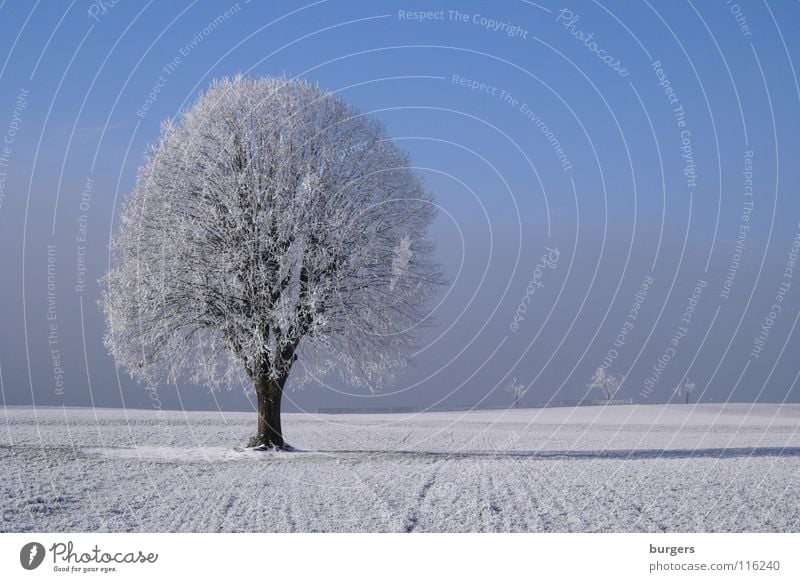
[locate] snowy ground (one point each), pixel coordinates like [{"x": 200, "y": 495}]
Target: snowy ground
[{"x": 620, "y": 468}]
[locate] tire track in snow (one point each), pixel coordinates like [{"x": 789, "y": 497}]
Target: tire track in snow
[{"x": 413, "y": 517}]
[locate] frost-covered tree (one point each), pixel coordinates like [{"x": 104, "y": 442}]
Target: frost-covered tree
[
  {"x": 518, "y": 390},
  {"x": 685, "y": 389},
  {"x": 271, "y": 221},
  {"x": 609, "y": 385}
]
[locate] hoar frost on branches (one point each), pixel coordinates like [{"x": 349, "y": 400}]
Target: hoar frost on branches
[
  {"x": 271, "y": 222},
  {"x": 609, "y": 385},
  {"x": 518, "y": 390},
  {"x": 685, "y": 389}
]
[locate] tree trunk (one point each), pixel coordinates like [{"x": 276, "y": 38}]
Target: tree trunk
[{"x": 269, "y": 392}]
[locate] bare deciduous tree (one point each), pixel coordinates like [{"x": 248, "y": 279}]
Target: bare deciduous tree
[{"x": 271, "y": 221}]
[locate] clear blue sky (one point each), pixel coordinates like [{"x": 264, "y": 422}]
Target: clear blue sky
[{"x": 618, "y": 133}]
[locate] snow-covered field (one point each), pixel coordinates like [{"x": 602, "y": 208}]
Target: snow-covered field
[{"x": 620, "y": 468}]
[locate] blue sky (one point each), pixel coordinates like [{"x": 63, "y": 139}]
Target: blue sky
[{"x": 537, "y": 126}]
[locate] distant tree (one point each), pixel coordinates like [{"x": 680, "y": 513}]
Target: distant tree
[
  {"x": 271, "y": 222},
  {"x": 518, "y": 390},
  {"x": 609, "y": 385},
  {"x": 686, "y": 389}
]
